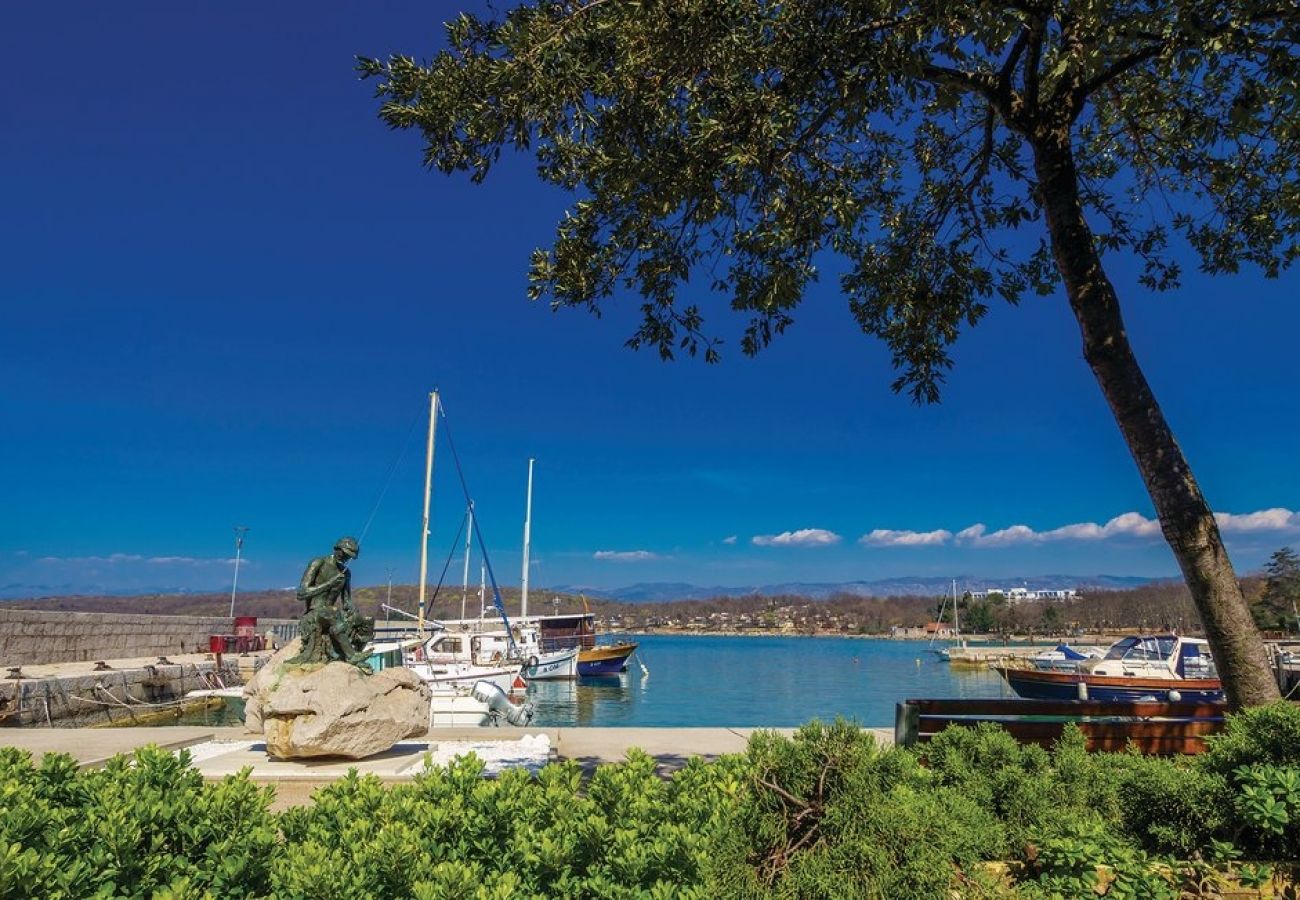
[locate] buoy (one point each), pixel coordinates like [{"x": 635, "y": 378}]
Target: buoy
[{"x": 1083, "y": 690}]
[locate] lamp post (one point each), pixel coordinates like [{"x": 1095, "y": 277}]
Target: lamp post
[{"x": 240, "y": 531}]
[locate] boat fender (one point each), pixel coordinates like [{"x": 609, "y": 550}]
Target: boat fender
[
  {"x": 531, "y": 664},
  {"x": 1175, "y": 696}
]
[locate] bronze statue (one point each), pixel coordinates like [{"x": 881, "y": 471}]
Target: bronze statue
[{"x": 331, "y": 628}]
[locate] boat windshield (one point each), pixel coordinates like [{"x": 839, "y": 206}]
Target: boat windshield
[{"x": 1143, "y": 648}]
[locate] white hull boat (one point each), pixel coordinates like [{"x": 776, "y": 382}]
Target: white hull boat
[{"x": 552, "y": 666}]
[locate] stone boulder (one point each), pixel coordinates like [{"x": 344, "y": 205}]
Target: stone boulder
[
  {"x": 260, "y": 682},
  {"x": 334, "y": 709}
]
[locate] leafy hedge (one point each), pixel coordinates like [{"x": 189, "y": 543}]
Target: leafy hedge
[{"x": 824, "y": 814}]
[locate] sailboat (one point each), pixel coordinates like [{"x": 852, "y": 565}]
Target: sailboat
[
  {"x": 464, "y": 692},
  {"x": 540, "y": 665},
  {"x": 945, "y": 652}
]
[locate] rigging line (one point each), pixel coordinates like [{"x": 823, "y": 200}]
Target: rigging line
[
  {"x": 392, "y": 469},
  {"x": 478, "y": 534},
  {"x": 455, "y": 542},
  {"x": 437, "y": 587}
]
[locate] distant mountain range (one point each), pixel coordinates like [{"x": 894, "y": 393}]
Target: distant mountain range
[{"x": 658, "y": 592}]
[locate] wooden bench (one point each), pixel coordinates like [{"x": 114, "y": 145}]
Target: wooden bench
[{"x": 1164, "y": 729}]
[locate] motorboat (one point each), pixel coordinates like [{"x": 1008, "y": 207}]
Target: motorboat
[
  {"x": 461, "y": 693},
  {"x": 1064, "y": 658},
  {"x": 1159, "y": 667}
]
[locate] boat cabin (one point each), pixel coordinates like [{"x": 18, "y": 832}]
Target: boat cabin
[
  {"x": 567, "y": 632},
  {"x": 1158, "y": 656}
]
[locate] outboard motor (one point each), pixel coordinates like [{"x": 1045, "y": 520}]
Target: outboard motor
[{"x": 499, "y": 703}]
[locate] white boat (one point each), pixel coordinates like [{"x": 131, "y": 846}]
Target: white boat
[
  {"x": 1064, "y": 658},
  {"x": 1142, "y": 667}
]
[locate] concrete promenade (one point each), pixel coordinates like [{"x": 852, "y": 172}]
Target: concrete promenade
[{"x": 225, "y": 751}]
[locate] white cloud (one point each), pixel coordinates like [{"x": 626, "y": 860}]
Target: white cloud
[
  {"x": 1014, "y": 534},
  {"x": 885, "y": 537},
  {"x": 804, "y": 537},
  {"x": 625, "y": 555},
  {"x": 115, "y": 559},
  {"x": 729, "y": 539},
  {"x": 1130, "y": 524},
  {"x": 1275, "y": 519}
]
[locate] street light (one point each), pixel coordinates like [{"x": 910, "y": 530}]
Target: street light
[{"x": 240, "y": 531}]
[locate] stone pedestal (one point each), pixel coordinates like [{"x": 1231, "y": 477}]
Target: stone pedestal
[{"x": 333, "y": 709}]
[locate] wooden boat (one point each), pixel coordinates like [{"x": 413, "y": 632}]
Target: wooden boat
[
  {"x": 1138, "y": 668},
  {"x": 605, "y": 659},
  {"x": 578, "y": 632}
]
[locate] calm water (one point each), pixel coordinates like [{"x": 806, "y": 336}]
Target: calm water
[
  {"x": 780, "y": 682},
  {"x": 745, "y": 682}
]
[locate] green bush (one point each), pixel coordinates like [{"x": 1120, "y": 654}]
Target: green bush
[
  {"x": 825, "y": 813},
  {"x": 1170, "y": 806},
  {"x": 143, "y": 824},
  {"x": 1268, "y": 735}
]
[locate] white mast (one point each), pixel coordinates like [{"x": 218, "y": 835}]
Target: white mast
[
  {"x": 464, "y": 578},
  {"x": 428, "y": 492},
  {"x": 528, "y": 522},
  {"x": 956, "y": 623}
]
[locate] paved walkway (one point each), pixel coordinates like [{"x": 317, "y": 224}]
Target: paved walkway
[{"x": 223, "y": 751}]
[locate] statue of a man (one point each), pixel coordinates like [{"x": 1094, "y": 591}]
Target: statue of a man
[{"x": 331, "y": 628}]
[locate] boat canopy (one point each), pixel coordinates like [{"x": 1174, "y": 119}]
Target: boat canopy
[{"x": 1148, "y": 647}]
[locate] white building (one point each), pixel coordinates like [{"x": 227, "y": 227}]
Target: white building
[{"x": 1022, "y": 595}]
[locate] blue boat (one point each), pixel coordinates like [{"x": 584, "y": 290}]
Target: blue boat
[
  {"x": 579, "y": 631},
  {"x": 605, "y": 659}
]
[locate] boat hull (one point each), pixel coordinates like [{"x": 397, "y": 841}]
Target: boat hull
[
  {"x": 1035, "y": 684},
  {"x": 552, "y": 666},
  {"x": 458, "y": 711},
  {"x": 609, "y": 659}
]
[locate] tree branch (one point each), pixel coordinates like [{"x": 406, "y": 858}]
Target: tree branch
[
  {"x": 968, "y": 82},
  {"x": 1118, "y": 68}
]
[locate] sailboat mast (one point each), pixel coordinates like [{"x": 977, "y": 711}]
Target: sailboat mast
[
  {"x": 428, "y": 493},
  {"x": 956, "y": 623},
  {"x": 528, "y": 524},
  {"x": 464, "y": 578}
]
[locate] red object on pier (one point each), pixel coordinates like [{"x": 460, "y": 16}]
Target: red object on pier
[
  {"x": 245, "y": 626},
  {"x": 216, "y": 643}
]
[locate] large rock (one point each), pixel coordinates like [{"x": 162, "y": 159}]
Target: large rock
[
  {"x": 334, "y": 709},
  {"x": 261, "y": 681}
]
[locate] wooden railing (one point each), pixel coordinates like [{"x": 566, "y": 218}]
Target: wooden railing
[{"x": 1164, "y": 729}]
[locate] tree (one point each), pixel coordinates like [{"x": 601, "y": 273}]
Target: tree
[
  {"x": 951, "y": 154},
  {"x": 1277, "y": 604}
]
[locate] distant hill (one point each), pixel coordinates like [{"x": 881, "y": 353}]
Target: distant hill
[{"x": 658, "y": 592}]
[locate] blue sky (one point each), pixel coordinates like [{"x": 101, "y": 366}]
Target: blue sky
[{"x": 227, "y": 289}]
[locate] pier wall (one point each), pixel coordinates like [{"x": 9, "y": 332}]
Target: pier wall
[
  {"x": 133, "y": 695},
  {"x": 32, "y": 637}
]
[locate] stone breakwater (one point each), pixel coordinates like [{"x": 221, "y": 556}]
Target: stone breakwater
[
  {"x": 30, "y": 637},
  {"x": 121, "y": 692}
]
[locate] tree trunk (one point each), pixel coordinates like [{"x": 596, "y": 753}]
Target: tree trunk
[{"x": 1185, "y": 518}]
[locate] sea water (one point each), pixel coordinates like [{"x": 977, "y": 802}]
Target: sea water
[
  {"x": 742, "y": 682},
  {"x": 749, "y": 682}
]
